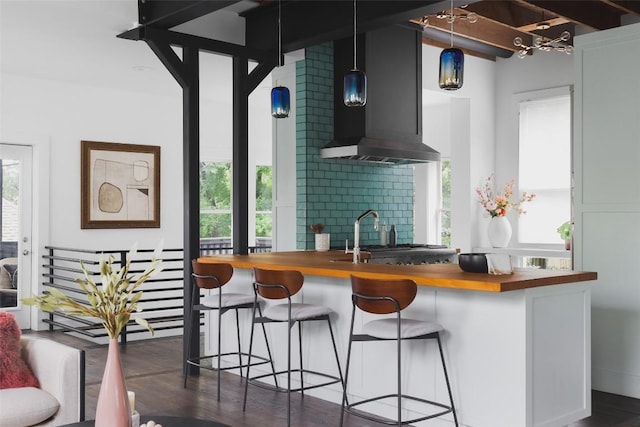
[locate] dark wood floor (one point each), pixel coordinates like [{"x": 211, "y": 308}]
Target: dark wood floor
[{"x": 153, "y": 370}]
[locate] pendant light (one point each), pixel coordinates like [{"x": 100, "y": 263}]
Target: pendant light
[
  {"x": 355, "y": 81},
  {"x": 451, "y": 63},
  {"x": 280, "y": 97}
]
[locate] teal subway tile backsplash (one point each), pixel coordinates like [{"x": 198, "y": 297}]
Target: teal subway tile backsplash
[{"x": 336, "y": 192}]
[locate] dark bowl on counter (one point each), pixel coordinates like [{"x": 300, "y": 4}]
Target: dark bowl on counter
[{"x": 473, "y": 263}]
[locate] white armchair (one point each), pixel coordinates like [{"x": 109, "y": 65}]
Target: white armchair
[{"x": 60, "y": 369}]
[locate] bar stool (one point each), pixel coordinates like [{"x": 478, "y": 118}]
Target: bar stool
[
  {"x": 207, "y": 275},
  {"x": 384, "y": 297},
  {"x": 277, "y": 285}
]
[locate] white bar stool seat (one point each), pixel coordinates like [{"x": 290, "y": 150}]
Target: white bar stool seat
[
  {"x": 213, "y": 276},
  {"x": 280, "y": 285},
  {"x": 384, "y": 297}
]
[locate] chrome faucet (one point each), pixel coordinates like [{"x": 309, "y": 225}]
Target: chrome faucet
[{"x": 356, "y": 232}]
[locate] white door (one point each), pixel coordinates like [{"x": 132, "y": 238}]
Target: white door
[{"x": 15, "y": 239}]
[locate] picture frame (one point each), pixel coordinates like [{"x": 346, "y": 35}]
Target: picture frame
[{"x": 119, "y": 185}]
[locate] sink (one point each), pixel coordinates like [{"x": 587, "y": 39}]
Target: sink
[
  {"x": 350, "y": 260},
  {"x": 364, "y": 257}
]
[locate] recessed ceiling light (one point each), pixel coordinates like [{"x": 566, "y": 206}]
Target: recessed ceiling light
[
  {"x": 142, "y": 68},
  {"x": 543, "y": 26}
]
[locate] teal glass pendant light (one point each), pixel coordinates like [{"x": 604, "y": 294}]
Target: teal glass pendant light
[
  {"x": 280, "y": 97},
  {"x": 355, "y": 81},
  {"x": 280, "y": 102},
  {"x": 451, "y": 63},
  {"x": 451, "y": 68}
]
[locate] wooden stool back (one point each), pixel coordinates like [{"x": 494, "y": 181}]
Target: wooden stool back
[
  {"x": 402, "y": 290},
  {"x": 211, "y": 275},
  {"x": 292, "y": 280}
]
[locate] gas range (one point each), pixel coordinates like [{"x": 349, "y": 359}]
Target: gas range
[
  {"x": 400, "y": 247},
  {"x": 410, "y": 253}
]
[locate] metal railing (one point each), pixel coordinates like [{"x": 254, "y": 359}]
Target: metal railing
[
  {"x": 223, "y": 245},
  {"x": 162, "y": 300}
]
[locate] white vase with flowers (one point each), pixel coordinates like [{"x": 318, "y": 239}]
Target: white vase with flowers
[{"x": 497, "y": 206}]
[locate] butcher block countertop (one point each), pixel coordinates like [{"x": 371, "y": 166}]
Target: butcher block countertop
[{"x": 338, "y": 264}]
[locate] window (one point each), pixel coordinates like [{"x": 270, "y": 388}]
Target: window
[
  {"x": 215, "y": 200},
  {"x": 445, "y": 209},
  {"x": 10, "y": 178},
  {"x": 263, "y": 202},
  {"x": 216, "y": 209},
  {"x": 545, "y": 164}
]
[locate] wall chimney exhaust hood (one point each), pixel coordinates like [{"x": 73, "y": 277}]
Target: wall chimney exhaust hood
[{"x": 388, "y": 129}]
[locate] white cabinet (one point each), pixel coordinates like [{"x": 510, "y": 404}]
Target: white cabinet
[{"x": 606, "y": 162}]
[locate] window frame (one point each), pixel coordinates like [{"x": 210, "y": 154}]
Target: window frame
[
  {"x": 253, "y": 212},
  {"x": 517, "y": 100}
]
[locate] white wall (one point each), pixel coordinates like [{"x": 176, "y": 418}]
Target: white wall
[
  {"x": 542, "y": 70},
  {"x": 471, "y": 138},
  {"x": 66, "y": 114},
  {"x": 487, "y": 98},
  {"x": 284, "y": 167},
  {"x": 56, "y": 115}
]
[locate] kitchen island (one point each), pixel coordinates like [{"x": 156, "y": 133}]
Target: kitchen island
[{"x": 517, "y": 346}]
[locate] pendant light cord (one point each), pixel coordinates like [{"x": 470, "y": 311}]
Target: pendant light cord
[
  {"x": 451, "y": 19},
  {"x": 355, "y": 67},
  {"x": 279, "y": 37}
]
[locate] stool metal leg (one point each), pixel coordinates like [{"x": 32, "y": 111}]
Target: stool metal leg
[
  {"x": 399, "y": 354},
  {"x": 266, "y": 341},
  {"x": 264, "y": 332},
  {"x": 446, "y": 377},
  {"x": 335, "y": 352},
  {"x": 300, "y": 353},
  {"x": 219, "y": 346},
  {"x": 253, "y": 324},
  {"x": 346, "y": 372},
  {"x": 289, "y": 369},
  {"x": 238, "y": 336}
]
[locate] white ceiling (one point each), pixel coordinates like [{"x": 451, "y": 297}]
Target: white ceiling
[{"x": 75, "y": 41}]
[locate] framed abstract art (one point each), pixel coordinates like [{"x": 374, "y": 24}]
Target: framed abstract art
[{"x": 120, "y": 185}]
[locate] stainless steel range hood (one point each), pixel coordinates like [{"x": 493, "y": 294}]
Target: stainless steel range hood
[
  {"x": 379, "y": 151},
  {"x": 388, "y": 129}
]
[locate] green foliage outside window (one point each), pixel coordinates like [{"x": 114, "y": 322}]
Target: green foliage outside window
[
  {"x": 215, "y": 186},
  {"x": 263, "y": 188},
  {"x": 215, "y": 225},
  {"x": 215, "y": 200},
  {"x": 264, "y": 185}
]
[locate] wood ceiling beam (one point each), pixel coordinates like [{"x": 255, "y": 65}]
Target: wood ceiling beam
[
  {"x": 443, "y": 45},
  {"x": 592, "y": 14},
  {"x": 509, "y": 13},
  {"x": 552, "y": 23},
  {"x": 484, "y": 30}
]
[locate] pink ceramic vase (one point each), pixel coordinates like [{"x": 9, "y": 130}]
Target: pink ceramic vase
[{"x": 113, "y": 401}]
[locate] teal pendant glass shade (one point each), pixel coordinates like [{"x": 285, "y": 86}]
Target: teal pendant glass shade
[
  {"x": 451, "y": 68},
  {"x": 355, "y": 88},
  {"x": 280, "y": 102}
]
